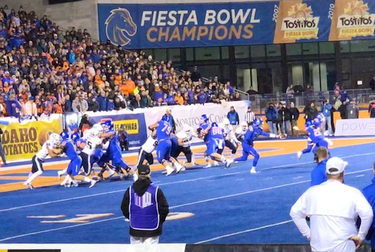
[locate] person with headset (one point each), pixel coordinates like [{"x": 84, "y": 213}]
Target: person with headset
[{"x": 318, "y": 175}]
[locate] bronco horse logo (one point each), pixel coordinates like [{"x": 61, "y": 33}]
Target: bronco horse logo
[{"x": 117, "y": 24}]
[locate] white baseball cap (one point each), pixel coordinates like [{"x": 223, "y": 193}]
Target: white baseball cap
[{"x": 337, "y": 163}]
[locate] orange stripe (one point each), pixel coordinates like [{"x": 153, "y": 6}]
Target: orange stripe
[{"x": 280, "y": 148}]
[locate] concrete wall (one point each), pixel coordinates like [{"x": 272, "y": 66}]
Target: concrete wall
[{"x": 81, "y": 14}]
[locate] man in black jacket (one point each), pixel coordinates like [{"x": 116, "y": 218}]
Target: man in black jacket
[{"x": 146, "y": 207}]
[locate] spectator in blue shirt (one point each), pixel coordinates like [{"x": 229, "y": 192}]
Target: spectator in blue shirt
[
  {"x": 318, "y": 175},
  {"x": 369, "y": 193},
  {"x": 233, "y": 117}
]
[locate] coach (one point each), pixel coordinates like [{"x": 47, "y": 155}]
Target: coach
[
  {"x": 333, "y": 208},
  {"x": 146, "y": 207}
]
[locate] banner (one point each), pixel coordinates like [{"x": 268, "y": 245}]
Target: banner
[
  {"x": 353, "y": 19},
  {"x": 355, "y": 127},
  {"x": 303, "y": 21},
  {"x": 133, "y": 123},
  {"x": 23, "y": 140},
  {"x": 191, "y": 114},
  {"x": 141, "y": 26}
]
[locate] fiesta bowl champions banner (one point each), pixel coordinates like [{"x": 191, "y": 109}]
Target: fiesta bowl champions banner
[
  {"x": 136, "y": 26},
  {"x": 353, "y": 19},
  {"x": 23, "y": 140}
]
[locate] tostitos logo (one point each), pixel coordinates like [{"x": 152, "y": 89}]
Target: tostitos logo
[
  {"x": 120, "y": 25},
  {"x": 356, "y": 20},
  {"x": 300, "y": 23}
]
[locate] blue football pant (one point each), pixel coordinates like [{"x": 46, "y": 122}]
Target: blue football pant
[{"x": 246, "y": 151}]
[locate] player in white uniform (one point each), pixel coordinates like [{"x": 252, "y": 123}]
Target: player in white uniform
[
  {"x": 50, "y": 147},
  {"x": 241, "y": 131},
  {"x": 230, "y": 139},
  {"x": 90, "y": 154},
  {"x": 145, "y": 152},
  {"x": 183, "y": 138}
]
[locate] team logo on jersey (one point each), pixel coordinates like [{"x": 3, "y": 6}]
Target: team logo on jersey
[{"x": 119, "y": 25}]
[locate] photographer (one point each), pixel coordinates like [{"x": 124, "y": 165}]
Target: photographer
[
  {"x": 124, "y": 138},
  {"x": 271, "y": 118}
]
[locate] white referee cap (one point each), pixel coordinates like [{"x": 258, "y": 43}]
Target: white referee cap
[{"x": 335, "y": 165}]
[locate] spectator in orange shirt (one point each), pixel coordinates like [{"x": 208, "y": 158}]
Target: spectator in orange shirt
[
  {"x": 130, "y": 86},
  {"x": 179, "y": 99}
]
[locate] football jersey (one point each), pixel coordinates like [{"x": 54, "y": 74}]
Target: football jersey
[
  {"x": 150, "y": 145},
  {"x": 91, "y": 145},
  {"x": 43, "y": 152},
  {"x": 163, "y": 130},
  {"x": 185, "y": 138}
]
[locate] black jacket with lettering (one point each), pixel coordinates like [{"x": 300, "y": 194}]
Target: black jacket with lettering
[{"x": 140, "y": 187}]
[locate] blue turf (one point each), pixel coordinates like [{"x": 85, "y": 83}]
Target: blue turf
[{"x": 262, "y": 199}]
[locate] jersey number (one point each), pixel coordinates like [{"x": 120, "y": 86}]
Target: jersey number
[
  {"x": 167, "y": 129},
  {"x": 89, "y": 144},
  {"x": 317, "y": 132},
  {"x": 216, "y": 131}
]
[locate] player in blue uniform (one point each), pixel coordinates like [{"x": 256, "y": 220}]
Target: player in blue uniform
[
  {"x": 113, "y": 153},
  {"x": 315, "y": 138},
  {"x": 215, "y": 136},
  {"x": 75, "y": 160},
  {"x": 163, "y": 150},
  {"x": 204, "y": 124},
  {"x": 78, "y": 143},
  {"x": 251, "y": 134}
]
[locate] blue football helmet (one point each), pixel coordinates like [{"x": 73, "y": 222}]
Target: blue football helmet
[
  {"x": 214, "y": 124},
  {"x": 107, "y": 125},
  {"x": 309, "y": 123},
  {"x": 75, "y": 136},
  {"x": 258, "y": 122},
  {"x": 64, "y": 135},
  {"x": 204, "y": 118}
]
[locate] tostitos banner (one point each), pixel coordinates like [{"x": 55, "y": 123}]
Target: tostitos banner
[
  {"x": 353, "y": 19},
  {"x": 303, "y": 21},
  {"x": 23, "y": 140}
]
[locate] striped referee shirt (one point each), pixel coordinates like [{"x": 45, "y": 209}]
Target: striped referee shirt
[{"x": 249, "y": 117}]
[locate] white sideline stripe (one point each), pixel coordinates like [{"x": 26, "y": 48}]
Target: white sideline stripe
[
  {"x": 182, "y": 205},
  {"x": 245, "y": 231},
  {"x": 167, "y": 183}
]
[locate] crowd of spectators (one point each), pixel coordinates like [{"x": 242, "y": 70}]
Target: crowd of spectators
[{"x": 58, "y": 71}]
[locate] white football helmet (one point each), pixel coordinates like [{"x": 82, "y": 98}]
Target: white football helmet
[
  {"x": 55, "y": 139},
  {"x": 244, "y": 125},
  {"x": 186, "y": 128},
  {"x": 98, "y": 127},
  {"x": 94, "y": 133}
]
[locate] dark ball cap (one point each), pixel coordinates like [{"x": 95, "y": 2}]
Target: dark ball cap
[{"x": 144, "y": 169}]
